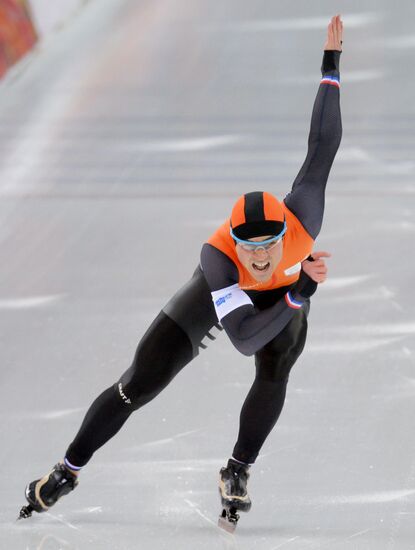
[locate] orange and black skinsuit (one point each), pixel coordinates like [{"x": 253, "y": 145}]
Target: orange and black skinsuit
[{"x": 259, "y": 321}]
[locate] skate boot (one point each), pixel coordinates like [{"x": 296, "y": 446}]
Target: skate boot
[
  {"x": 233, "y": 491},
  {"x": 41, "y": 494}
]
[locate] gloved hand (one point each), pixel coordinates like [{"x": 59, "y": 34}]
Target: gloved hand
[{"x": 313, "y": 272}]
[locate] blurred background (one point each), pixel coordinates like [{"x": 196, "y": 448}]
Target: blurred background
[{"x": 127, "y": 130}]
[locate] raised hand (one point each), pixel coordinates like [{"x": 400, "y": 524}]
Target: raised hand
[
  {"x": 334, "y": 34},
  {"x": 317, "y": 269}
]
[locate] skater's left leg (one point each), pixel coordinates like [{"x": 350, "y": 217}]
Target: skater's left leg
[
  {"x": 265, "y": 400},
  {"x": 260, "y": 412}
]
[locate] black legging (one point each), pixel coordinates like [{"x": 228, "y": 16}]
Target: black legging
[
  {"x": 163, "y": 351},
  {"x": 265, "y": 400},
  {"x": 161, "y": 354}
]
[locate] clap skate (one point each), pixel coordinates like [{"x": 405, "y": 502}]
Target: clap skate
[
  {"x": 41, "y": 494},
  {"x": 233, "y": 491}
]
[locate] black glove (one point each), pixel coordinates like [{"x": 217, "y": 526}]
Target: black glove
[{"x": 305, "y": 286}]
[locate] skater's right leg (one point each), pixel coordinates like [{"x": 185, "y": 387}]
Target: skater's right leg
[
  {"x": 162, "y": 353},
  {"x": 172, "y": 340}
]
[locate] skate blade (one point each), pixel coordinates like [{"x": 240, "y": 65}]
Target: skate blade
[
  {"x": 25, "y": 512},
  {"x": 228, "y": 521}
]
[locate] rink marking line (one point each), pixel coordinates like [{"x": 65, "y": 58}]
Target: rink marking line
[{"x": 30, "y": 302}]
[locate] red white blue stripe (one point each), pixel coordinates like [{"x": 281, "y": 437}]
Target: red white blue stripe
[
  {"x": 295, "y": 304},
  {"x": 332, "y": 80}
]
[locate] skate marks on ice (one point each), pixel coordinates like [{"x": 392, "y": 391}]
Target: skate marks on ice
[
  {"x": 401, "y": 42},
  {"x": 370, "y": 294},
  {"x": 186, "y": 145},
  {"x": 165, "y": 441},
  {"x": 398, "y": 516},
  {"x": 381, "y": 329},
  {"x": 10, "y": 304},
  {"x": 199, "y": 512},
  {"x": 50, "y": 541},
  {"x": 343, "y": 346},
  {"x": 378, "y": 497},
  {"x": 340, "y": 283},
  {"x": 360, "y": 338},
  {"x": 56, "y": 415},
  {"x": 147, "y": 467},
  {"x": 61, "y": 519},
  {"x": 402, "y": 388},
  {"x": 40, "y": 415},
  {"x": 354, "y": 20}
]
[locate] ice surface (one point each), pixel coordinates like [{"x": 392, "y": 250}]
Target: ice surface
[{"x": 122, "y": 148}]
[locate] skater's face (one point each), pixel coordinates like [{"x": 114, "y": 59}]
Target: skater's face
[{"x": 260, "y": 261}]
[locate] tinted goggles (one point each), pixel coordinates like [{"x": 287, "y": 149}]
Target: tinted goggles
[{"x": 267, "y": 244}]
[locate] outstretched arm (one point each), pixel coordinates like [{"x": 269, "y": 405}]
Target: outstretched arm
[
  {"x": 306, "y": 199},
  {"x": 248, "y": 328}
]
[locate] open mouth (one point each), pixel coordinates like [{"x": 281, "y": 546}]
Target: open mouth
[{"x": 260, "y": 266}]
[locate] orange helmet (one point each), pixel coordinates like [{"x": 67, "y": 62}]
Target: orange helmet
[{"x": 257, "y": 214}]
